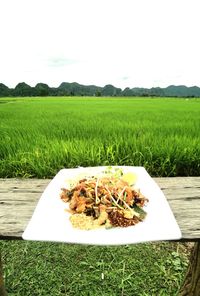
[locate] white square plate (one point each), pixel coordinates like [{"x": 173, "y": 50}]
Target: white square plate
[{"x": 50, "y": 221}]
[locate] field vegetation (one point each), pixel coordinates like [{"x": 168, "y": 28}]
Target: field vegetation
[
  {"x": 39, "y": 136},
  {"x": 55, "y": 269}
]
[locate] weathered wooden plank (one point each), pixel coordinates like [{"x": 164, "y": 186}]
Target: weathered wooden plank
[
  {"x": 183, "y": 195},
  {"x": 19, "y": 197},
  {"x": 181, "y": 182}
]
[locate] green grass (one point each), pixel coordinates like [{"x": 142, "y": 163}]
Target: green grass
[
  {"x": 42, "y": 135},
  {"x": 41, "y": 269},
  {"x": 39, "y": 136}
]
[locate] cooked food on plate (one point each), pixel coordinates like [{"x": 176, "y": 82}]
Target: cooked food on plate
[{"x": 107, "y": 200}]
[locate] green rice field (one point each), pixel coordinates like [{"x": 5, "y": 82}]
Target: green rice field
[{"x": 39, "y": 136}]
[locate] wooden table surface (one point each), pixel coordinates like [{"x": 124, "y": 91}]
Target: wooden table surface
[{"x": 19, "y": 197}]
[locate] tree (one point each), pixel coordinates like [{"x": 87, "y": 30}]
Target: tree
[
  {"x": 127, "y": 92},
  {"x": 191, "y": 284},
  {"x": 110, "y": 90},
  {"x": 4, "y": 90},
  {"x": 2, "y": 287},
  {"x": 98, "y": 93},
  {"x": 23, "y": 90},
  {"x": 42, "y": 89}
]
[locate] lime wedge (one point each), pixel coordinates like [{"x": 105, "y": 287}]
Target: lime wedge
[{"x": 130, "y": 178}]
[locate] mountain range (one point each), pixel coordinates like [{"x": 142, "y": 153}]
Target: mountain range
[{"x": 75, "y": 89}]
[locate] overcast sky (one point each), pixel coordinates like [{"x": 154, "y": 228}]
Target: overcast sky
[{"x": 127, "y": 43}]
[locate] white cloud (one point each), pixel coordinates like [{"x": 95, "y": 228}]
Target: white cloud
[{"x": 152, "y": 43}]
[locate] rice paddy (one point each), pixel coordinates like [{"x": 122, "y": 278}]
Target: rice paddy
[{"x": 39, "y": 136}]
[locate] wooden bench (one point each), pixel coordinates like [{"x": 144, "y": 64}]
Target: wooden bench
[{"x": 18, "y": 199}]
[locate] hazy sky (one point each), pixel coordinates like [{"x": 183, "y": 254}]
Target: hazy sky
[{"x": 127, "y": 43}]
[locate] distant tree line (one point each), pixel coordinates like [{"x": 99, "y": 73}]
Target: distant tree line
[{"x": 75, "y": 89}]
